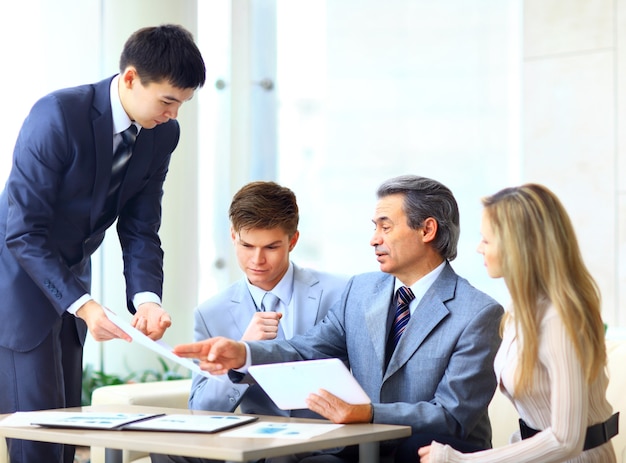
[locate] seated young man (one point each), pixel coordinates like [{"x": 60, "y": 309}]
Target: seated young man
[{"x": 275, "y": 298}]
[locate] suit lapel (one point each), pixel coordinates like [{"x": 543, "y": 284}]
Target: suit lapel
[
  {"x": 243, "y": 308},
  {"x": 102, "y": 123},
  {"x": 428, "y": 314},
  {"x": 376, "y": 315},
  {"x": 306, "y": 305}
]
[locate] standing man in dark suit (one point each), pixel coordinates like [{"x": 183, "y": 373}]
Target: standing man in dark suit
[
  {"x": 62, "y": 194},
  {"x": 424, "y": 358}
]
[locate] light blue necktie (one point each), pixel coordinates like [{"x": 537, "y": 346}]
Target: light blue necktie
[{"x": 269, "y": 303}]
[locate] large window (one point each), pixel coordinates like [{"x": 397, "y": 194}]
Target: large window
[{"x": 367, "y": 90}]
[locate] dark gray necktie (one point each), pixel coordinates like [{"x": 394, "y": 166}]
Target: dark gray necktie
[{"x": 121, "y": 156}]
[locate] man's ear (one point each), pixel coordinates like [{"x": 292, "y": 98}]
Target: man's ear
[
  {"x": 130, "y": 77},
  {"x": 294, "y": 240},
  {"x": 233, "y": 234},
  {"x": 429, "y": 229}
]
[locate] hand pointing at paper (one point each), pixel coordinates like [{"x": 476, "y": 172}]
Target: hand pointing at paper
[{"x": 216, "y": 355}]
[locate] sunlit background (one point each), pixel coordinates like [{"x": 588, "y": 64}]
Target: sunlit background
[{"x": 332, "y": 97}]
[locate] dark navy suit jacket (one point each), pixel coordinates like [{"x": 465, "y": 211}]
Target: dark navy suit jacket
[{"x": 51, "y": 210}]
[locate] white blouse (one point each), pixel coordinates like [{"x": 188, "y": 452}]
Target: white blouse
[{"x": 560, "y": 403}]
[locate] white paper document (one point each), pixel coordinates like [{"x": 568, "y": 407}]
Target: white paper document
[
  {"x": 21, "y": 419},
  {"x": 282, "y": 430},
  {"x": 160, "y": 346}
]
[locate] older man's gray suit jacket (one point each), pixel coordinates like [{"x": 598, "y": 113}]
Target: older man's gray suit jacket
[{"x": 440, "y": 378}]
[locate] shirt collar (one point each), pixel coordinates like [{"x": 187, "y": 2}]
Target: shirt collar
[
  {"x": 420, "y": 287},
  {"x": 121, "y": 121}
]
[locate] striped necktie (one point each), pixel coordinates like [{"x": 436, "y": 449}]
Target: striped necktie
[{"x": 404, "y": 296}]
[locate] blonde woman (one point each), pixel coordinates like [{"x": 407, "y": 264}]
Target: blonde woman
[{"x": 551, "y": 363}]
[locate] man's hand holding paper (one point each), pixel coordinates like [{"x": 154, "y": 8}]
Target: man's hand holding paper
[
  {"x": 152, "y": 320},
  {"x": 160, "y": 347},
  {"x": 338, "y": 411},
  {"x": 100, "y": 326}
]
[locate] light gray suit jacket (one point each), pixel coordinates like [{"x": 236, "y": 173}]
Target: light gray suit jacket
[
  {"x": 440, "y": 378},
  {"x": 229, "y": 313}
]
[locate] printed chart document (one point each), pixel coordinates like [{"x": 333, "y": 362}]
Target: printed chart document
[
  {"x": 160, "y": 347},
  {"x": 282, "y": 430},
  {"x": 138, "y": 421},
  {"x": 289, "y": 384}
]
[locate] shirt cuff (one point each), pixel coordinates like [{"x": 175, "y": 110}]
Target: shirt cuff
[
  {"x": 139, "y": 298},
  {"x": 79, "y": 303},
  {"x": 145, "y": 296},
  {"x": 245, "y": 366}
]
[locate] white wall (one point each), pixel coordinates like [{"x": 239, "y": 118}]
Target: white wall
[
  {"x": 370, "y": 90},
  {"x": 45, "y": 46},
  {"x": 573, "y": 117}
]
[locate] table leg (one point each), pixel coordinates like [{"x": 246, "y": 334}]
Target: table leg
[
  {"x": 113, "y": 456},
  {"x": 368, "y": 452}
]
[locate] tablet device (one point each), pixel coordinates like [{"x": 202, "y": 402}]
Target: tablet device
[
  {"x": 90, "y": 420},
  {"x": 191, "y": 423},
  {"x": 142, "y": 421},
  {"x": 289, "y": 384}
]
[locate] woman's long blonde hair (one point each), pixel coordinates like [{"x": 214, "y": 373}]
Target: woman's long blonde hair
[{"x": 541, "y": 264}]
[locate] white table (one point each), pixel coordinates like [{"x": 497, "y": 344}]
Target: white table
[{"x": 203, "y": 445}]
